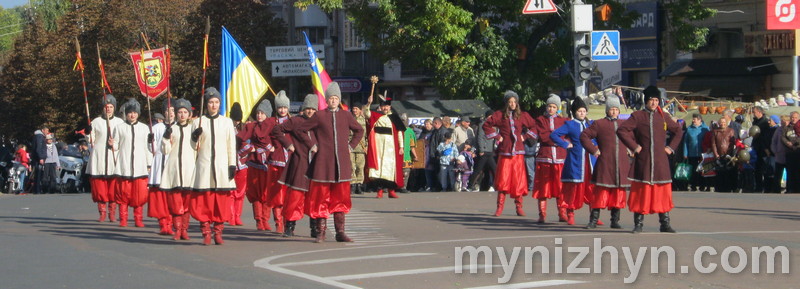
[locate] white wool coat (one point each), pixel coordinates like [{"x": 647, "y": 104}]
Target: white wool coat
[
  {"x": 216, "y": 152},
  {"x": 102, "y": 160}
]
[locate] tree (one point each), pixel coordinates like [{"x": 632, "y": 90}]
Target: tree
[
  {"x": 39, "y": 86},
  {"x": 477, "y": 49},
  {"x": 10, "y": 25}
]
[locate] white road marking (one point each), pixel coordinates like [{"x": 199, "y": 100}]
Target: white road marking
[
  {"x": 398, "y": 273},
  {"x": 534, "y": 284},
  {"x": 326, "y": 261},
  {"x": 266, "y": 263}
]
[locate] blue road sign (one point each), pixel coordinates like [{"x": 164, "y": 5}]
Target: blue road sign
[{"x": 605, "y": 45}]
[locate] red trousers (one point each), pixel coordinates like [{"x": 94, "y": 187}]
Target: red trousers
[
  {"x": 241, "y": 184},
  {"x": 650, "y": 199},
  {"x": 293, "y": 206},
  {"x": 103, "y": 189},
  {"x": 208, "y": 206},
  {"x": 547, "y": 183},
  {"x": 157, "y": 206},
  {"x": 326, "y": 198},
  {"x": 576, "y": 194},
  {"x": 511, "y": 177},
  {"x": 131, "y": 192},
  {"x": 608, "y": 198},
  {"x": 256, "y": 188},
  {"x": 275, "y": 191},
  {"x": 178, "y": 202}
]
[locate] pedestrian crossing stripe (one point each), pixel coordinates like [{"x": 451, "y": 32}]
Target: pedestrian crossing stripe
[{"x": 605, "y": 45}]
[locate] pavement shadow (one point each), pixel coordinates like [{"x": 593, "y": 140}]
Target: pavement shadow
[
  {"x": 783, "y": 215},
  {"x": 91, "y": 229},
  {"x": 488, "y": 222}
]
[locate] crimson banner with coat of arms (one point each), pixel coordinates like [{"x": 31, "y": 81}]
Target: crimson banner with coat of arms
[{"x": 152, "y": 75}]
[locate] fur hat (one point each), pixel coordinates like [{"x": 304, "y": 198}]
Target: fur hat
[
  {"x": 236, "y": 112},
  {"x": 212, "y": 92},
  {"x": 130, "y": 106},
  {"x": 509, "y": 94},
  {"x": 158, "y": 115},
  {"x": 281, "y": 100},
  {"x": 612, "y": 102},
  {"x": 576, "y": 104},
  {"x": 185, "y": 104},
  {"x": 266, "y": 107},
  {"x": 333, "y": 89},
  {"x": 554, "y": 99},
  {"x": 310, "y": 101},
  {"x": 652, "y": 92},
  {"x": 167, "y": 102},
  {"x": 108, "y": 99}
]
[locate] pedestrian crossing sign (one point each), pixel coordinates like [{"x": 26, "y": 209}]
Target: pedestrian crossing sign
[{"x": 605, "y": 45}]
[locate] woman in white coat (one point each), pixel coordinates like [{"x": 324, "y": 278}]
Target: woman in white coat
[
  {"x": 215, "y": 169},
  {"x": 130, "y": 140},
  {"x": 178, "y": 176}
]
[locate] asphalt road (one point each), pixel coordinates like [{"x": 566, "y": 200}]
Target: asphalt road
[{"x": 54, "y": 241}]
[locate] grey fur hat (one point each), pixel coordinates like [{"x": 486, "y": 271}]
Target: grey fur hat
[
  {"x": 554, "y": 99},
  {"x": 310, "y": 102},
  {"x": 281, "y": 100},
  {"x": 109, "y": 99},
  {"x": 158, "y": 115},
  {"x": 266, "y": 107},
  {"x": 130, "y": 106},
  {"x": 333, "y": 89},
  {"x": 509, "y": 94},
  {"x": 182, "y": 103},
  {"x": 167, "y": 102},
  {"x": 212, "y": 92},
  {"x": 612, "y": 102}
]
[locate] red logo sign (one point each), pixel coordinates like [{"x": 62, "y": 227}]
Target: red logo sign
[
  {"x": 783, "y": 14},
  {"x": 152, "y": 74}
]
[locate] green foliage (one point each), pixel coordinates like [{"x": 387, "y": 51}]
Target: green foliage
[
  {"x": 10, "y": 24},
  {"x": 471, "y": 47},
  {"x": 681, "y": 12}
]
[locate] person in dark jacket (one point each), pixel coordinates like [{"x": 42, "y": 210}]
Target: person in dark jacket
[
  {"x": 38, "y": 155},
  {"x": 645, "y": 133},
  {"x": 485, "y": 164},
  {"x": 761, "y": 143}
]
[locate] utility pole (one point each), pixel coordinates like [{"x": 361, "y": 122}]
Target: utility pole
[{"x": 582, "y": 26}]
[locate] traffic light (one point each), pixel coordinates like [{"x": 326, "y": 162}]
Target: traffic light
[{"x": 583, "y": 61}]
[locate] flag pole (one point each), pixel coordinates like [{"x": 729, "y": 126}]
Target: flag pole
[
  {"x": 205, "y": 66},
  {"x": 79, "y": 65},
  {"x": 104, "y": 86},
  {"x": 143, "y": 74},
  {"x": 168, "y": 68}
]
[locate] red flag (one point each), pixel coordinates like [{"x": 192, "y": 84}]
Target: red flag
[{"x": 152, "y": 73}]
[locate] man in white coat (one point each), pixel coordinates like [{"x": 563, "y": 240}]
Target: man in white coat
[
  {"x": 103, "y": 159},
  {"x": 215, "y": 136},
  {"x": 130, "y": 139}
]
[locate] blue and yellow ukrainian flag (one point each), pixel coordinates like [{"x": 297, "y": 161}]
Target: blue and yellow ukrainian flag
[{"x": 239, "y": 79}]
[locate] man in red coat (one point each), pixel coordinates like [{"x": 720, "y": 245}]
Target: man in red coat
[
  {"x": 549, "y": 160},
  {"x": 330, "y": 171},
  {"x": 256, "y": 150},
  {"x": 610, "y": 176},
  {"x": 645, "y": 133},
  {"x": 385, "y": 149}
]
